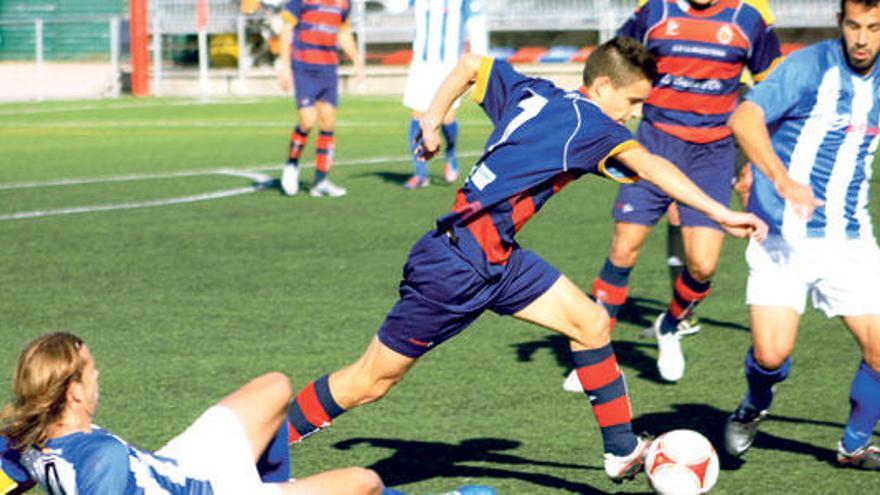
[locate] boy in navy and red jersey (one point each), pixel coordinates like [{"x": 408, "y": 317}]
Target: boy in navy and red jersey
[
  {"x": 701, "y": 47},
  {"x": 543, "y": 139},
  {"x": 313, "y": 29}
]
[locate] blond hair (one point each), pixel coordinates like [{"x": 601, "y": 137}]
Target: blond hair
[{"x": 46, "y": 368}]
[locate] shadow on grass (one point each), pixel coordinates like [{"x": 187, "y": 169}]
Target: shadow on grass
[
  {"x": 641, "y": 312},
  {"x": 388, "y": 177},
  {"x": 400, "y": 178},
  {"x": 636, "y": 355},
  {"x": 710, "y": 421},
  {"x": 413, "y": 461}
]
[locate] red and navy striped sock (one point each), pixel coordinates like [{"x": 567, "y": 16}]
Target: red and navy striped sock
[
  {"x": 610, "y": 288},
  {"x": 323, "y": 155},
  {"x": 313, "y": 409},
  {"x": 605, "y": 387},
  {"x": 298, "y": 140},
  {"x": 686, "y": 294}
]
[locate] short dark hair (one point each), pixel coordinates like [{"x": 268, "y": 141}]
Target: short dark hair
[
  {"x": 866, "y": 3},
  {"x": 622, "y": 60}
]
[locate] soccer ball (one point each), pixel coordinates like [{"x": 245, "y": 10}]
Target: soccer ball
[{"x": 681, "y": 462}]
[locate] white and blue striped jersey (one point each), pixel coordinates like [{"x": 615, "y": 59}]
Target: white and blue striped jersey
[
  {"x": 441, "y": 27},
  {"x": 100, "y": 463},
  {"x": 824, "y": 120}
]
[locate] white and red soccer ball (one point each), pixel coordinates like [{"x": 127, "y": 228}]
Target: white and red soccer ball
[{"x": 681, "y": 462}]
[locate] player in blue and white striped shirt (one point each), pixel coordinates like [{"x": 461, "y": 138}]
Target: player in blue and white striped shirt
[
  {"x": 55, "y": 390},
  {"x": 441, "y": 27},
  {"x": 812, "y": 130}
]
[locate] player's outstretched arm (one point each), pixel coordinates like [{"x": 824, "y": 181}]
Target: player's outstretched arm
[
  {"x": 673, "y": 182},
  {"x": 458, "y": 81},
  {"x": 753, "y": 136}
]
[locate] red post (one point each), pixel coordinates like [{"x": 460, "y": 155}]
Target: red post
[
  {"x": 201, "y": 14},
  {"x": 140, "y": 52}
]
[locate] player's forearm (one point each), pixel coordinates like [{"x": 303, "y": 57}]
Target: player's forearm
[
  {"x": 455, "y": 85},
  {"x": 748, "y": 125},
  {"x": 673, "y": 182},
  {"x": 286, "y": 37},
  {"x": 349, "y": 47}
]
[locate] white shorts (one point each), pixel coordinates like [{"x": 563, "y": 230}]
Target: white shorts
[
  {"x": 841, "y": 276},
  {"x": 215, "y": 447},
  {"x": 422, "y": 83}
]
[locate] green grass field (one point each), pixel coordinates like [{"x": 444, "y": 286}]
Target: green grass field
[{"x": 183, "y": 303}]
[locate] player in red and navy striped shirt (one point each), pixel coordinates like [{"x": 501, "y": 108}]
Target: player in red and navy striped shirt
[
  {"x": 312, "y": 31},
  {"x": 701, "y": 47},
  {"x": 543, "y": 139}
]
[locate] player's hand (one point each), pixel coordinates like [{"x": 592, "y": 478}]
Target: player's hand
[
  {"x": 360, "y": 76},
  {"x": 285, "y": 75},
  {"x": 427, "y": 142},
  {"x": 799, "y": 196},
  {"x": 740, "y": 224}
]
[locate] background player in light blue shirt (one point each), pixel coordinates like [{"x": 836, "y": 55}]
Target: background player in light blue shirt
[
  {"x": 812, "y": 129},
  {"x": 441, "y": 28}
]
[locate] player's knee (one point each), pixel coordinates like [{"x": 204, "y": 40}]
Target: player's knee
[
  {"x": 592, "y": 330},
  {"x": 770, "y": 359},
  {"x": 872, "y": 359},
  {"x": 702, "y": 271},
  {"x": 307, "y": 121},
  {"x": 622, "y": 254},
  {"x": 365, "y": 480},
  {"x": 278, "y": 385}
]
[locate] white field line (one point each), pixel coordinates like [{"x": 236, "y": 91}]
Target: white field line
[
  {"x": 127, "y": 106},
  {"x": 198, "y": 124},
  {"x": 134, "y": 205},
  {"x": 262, "y": 182},
  {"x": 75, "y": 181}
]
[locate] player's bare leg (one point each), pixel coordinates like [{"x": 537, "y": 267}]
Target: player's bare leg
[
  {"x": 346, "y": 481},
  {"x": 308, "y": 116},
  {"x": 702, "y": 248},
  {"x": 564, "y": 308},
  {"x": 261, "y": 406},
  {"x": 365, "y": 380},
  {"x": 743, "y": 185},
  {"x": 370, "y": 377},
  {"x": 324, "y": 152},
  {"x": 610, "y": 287},
  {"x": 774, "y": 330},
  {"x": 855, "y": 448},
  {"x": 675, "y": 262},
  {"x": 627, "y": 243}
]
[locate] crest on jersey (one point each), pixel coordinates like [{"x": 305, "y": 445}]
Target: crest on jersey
[
  {"x": 725, "y": 35},
  {"x": 672, "y": 28}
]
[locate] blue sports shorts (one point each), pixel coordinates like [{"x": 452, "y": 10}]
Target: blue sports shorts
[
  {"x": 709, "y": 165},
  {"x": 314, "y": 84},
  {"x": 442, "y": 293}
]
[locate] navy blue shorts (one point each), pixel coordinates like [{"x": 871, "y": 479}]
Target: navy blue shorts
[
  {"x": 314, "y": 84},
  {"x": 709, "y": 165},
  {"x": 442, "y": 293}
]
